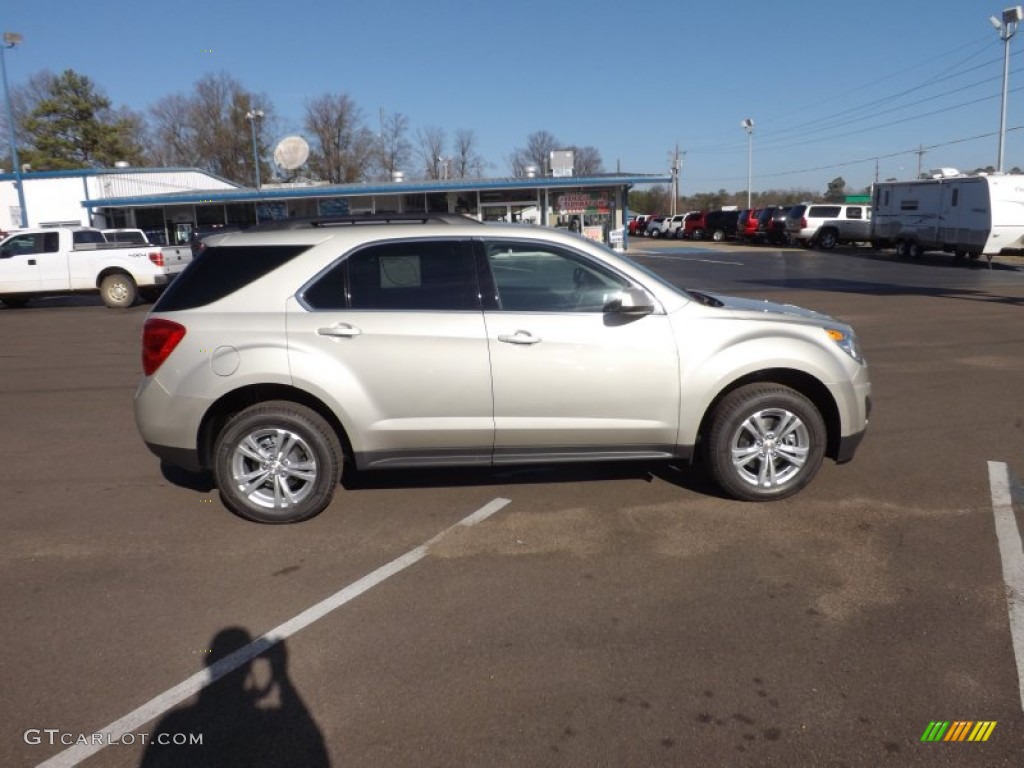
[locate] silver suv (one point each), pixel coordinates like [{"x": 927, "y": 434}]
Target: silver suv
[
  {"x": 279, "y": 359},
  {"x": 805, "y": 223}
]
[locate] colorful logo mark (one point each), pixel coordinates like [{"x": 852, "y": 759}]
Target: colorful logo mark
[{"x": 958, "y": 730}]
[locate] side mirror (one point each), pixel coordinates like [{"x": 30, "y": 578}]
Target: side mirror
[{"x": 631, "y": 301}]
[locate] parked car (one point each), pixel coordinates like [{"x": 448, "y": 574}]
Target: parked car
[
  {"x": 693, "y": 226},
  {"x": 721, "y": 225},
  {"x": 280, "y": 359},
  {"x": 654, "y": 226},
  {"x": 637, "y": 225},
  {"x": 805, "y": 220},
  {"x": 675, "y": 225},
  {"x": 771, "y": 225},
  {"x": 746, "y": 225}
]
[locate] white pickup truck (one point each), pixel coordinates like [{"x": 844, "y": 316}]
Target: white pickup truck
[{"x": 48, "y": 261}]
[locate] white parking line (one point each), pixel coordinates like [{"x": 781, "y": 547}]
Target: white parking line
[
  {"x": 1011, "y": 552},
  {"x": 173, "y": 696}
]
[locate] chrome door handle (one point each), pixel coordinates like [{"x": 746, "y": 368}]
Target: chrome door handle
[
  {"x": 341, "y": 330},
  {"x": 519, "y": 337}
]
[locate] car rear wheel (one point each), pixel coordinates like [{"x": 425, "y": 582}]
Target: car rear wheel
[
  {"x": 118, "y": 290},
  {"x": 827, "y": 240},
  {"x": 766, "y": 442},
  {"x": 718, "y": 235},
  {"x": 277, "y": 462}
]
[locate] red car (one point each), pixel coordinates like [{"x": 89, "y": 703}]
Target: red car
[
  {"x": 693, "y": 226},
  {"x": 637, "y": 225},
  {"x": 746, "y": 227}
]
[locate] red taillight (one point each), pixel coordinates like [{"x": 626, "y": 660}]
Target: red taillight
[
  {"x": 159, "y": 338},
  {"x": 803, "y": 223},
  {"x": 157, "y": 258}
]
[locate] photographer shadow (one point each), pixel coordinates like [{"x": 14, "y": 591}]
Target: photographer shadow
[{"x": 251, "y": 715}]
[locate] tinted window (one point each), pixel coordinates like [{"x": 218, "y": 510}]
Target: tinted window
[
  {"x": 24, "y": 245},
  {"x": 824, "y": 211},
  {"x": 51, "y": 242},
  {"x": 797, "y": 211},
  {"x": 87, "y": 236},
  {"x": 535, "y": 277},
  {"x": 854, "y": 212},
  {"x": 221, "y": 271},
  {"x": 412, "y": 275}
]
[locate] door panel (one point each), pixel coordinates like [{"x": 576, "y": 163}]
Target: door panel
[
  {"x": 397, "y": 333},
  {"x": 575, "y": 380}
]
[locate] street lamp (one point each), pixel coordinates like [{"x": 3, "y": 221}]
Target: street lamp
[
  {"x": 252, "y": 116},
  {"x": 748, "y": 125},
  {"x": 12, "y": 39},
  {"x": 1007, "y": 28}
]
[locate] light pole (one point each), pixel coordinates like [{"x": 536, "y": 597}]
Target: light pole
[
  {"x": 252, "y": 116},
  {"x": 11, "y": 39},
  {"x": 1006, "y": 28},
  {"x": 748, "y": 125}
]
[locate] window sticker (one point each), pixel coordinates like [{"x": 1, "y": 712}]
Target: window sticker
[{"x": 400, "y": 272}]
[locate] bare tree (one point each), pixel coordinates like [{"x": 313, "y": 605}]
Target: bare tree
[
  {"x": 430, "y": 144},
  {"x": 467, "y": 162},
  {"x": 343, "y": 147},
  {"x": 394, "y": 149},
  {"x": 171, "y": 138},
  {"x": 209, "y": 128},
  {"x": 537, "y": 152},
  {"x": 587, "y": 161}
]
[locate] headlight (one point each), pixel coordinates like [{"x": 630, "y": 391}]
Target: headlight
[{"x": 847, "y": 341}]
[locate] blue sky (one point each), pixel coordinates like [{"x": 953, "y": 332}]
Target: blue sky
[{"x": 829, "y": 86}]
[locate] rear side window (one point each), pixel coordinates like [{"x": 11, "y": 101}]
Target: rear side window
[
  {"x": 84, "y": 236},
  {"x": 412, "y": 275},
  {"x": 824, "y": 211},
  {"x": 221, "y": 271},
  {"x": 797, "y": 211},
  {"x": 854, "y": 213}
]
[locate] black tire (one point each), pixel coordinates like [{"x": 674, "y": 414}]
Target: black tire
[
  {"x": 309, "y": 441},
  {"x": 797, "y": 456},
  {"x": 903, "y": 248},
  {"x": 827, "y": 240},
  {"x": 974, "y": 256},
  {"x": 697, "y": 234},
  {"x": 656, "y": 234},
  {"x": 718, "y": 235},
  {"x": 916, "y": 251},
  {"x": 118, "y": 290},
  {"x": 15, "y": 302}
]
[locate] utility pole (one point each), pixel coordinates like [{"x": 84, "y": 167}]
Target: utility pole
[
  {"x": 920, "y": 154},
  {"x": 676, "y": 166}
]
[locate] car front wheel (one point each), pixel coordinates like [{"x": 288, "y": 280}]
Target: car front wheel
[
  {"x": 277, "y": 462},
  {"x": 766, "y": 442}
]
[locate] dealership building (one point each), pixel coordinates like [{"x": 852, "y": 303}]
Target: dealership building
[{"x": 169, "y": 203}]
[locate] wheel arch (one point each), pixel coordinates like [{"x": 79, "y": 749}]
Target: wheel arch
[
  {"x": 800, "y": 381},
  {"x": 231, "y": 403},
  {"x": 113, "y": 270}
]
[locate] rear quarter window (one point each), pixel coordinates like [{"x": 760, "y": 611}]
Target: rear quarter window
[{"x": 221, "y": 271}]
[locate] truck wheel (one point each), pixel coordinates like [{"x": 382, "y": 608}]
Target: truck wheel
[
  {"x": 916, "y": 251},
  {"x": 827, "y": 240},
  {"x": 903, "y": 248},
  {"x": 277, "y": 462},
  {"x": 15, "y": 302},
  {"x": 118, "y": 290},
  {"x": 718, "y": 235},
  {"x": 766, "y": 442}
]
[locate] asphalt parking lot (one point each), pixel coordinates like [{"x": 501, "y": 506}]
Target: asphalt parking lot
[{"x": 611, "y": 615}]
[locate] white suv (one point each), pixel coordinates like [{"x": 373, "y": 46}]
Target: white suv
[{"x": 279, "y": 357}]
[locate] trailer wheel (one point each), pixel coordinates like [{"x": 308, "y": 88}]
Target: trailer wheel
[
  {"x": 974, "y": 256},
  {"x": 959, "y": 254},
  {"x": 916, "y": 251},
  {"x": 903, "y": 248}
]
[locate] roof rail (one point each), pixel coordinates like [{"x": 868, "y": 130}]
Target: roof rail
[{"x": 370, "y": 218}]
